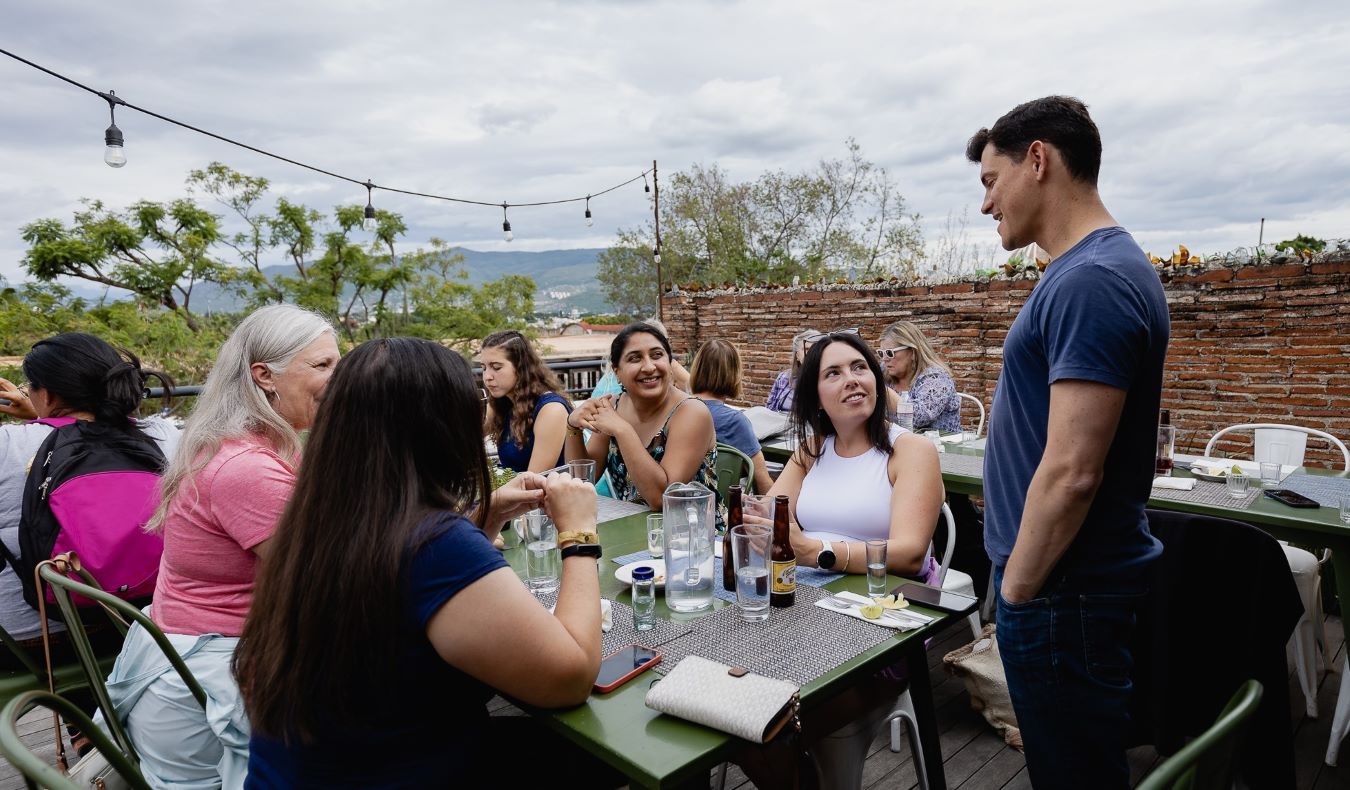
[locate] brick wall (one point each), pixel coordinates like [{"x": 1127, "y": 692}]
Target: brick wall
[{"x": 1250, "y": 343}]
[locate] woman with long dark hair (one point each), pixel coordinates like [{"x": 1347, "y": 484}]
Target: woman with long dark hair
[
  {"x": 854, "y": 476},
  {"x": 384, "y": 618},
  {"x": 527, "y": 408},
  {"x": 71, "y": 376}
]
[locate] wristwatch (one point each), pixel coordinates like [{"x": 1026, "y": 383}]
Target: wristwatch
[
  {"x": 825, "y": 559},
  {"x": 582, "y": 549}
]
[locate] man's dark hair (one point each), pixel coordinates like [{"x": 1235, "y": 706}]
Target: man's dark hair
[{"x": 1061, "y": 121}]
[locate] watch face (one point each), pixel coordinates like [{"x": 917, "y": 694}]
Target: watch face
[{"x": 825, "y": 559}]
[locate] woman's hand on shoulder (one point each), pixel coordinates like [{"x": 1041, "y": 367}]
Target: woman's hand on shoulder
[
  {"x": 570, "y": 502},
  {"x": 518, "y": 496}
]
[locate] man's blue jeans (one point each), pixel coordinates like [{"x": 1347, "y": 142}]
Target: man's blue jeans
[{"x": 1067, "y": 656}]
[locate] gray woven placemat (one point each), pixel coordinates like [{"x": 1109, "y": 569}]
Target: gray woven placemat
[
  {"x": 623, "y": 633},
  {"x": 1326, "y": 490},
  {"x": 1207, "y": 493},
  {"x": 798, "y": 644},
  {"x": 957, "y": 464},
  {"x": 811, "y": 577}
]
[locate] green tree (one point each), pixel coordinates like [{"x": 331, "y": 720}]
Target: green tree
[
  {"x": 843, "y": 218},
  {"x": 1302, "y": 245}
]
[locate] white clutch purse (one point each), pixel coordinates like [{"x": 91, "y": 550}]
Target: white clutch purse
[{"x": 730, "y": 699}]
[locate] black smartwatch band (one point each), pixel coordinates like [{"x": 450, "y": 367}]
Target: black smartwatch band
[{"x": 583, "y": 549}]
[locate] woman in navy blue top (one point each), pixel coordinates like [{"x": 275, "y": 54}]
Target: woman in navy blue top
[
  {"x": 715, "y": 376},
  {"x": 384, "y": 619},
  {"x": 527, "y": 417}
]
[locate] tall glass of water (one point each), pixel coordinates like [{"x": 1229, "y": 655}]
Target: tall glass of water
[
  {"x": 876, "y": 568},
  {"x": 750, "y": 546},
  {"x": 541, "y": 556}
]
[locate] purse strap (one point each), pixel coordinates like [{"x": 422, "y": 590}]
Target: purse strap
[{"x": 61, "y": 562}]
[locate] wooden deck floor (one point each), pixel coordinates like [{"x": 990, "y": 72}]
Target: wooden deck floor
[{"x": 975, "y": 757}]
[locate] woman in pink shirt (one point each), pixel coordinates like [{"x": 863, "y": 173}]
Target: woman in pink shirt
[{"x": 221, "y": 498}]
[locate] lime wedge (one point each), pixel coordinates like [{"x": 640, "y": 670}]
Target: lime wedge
[
  {"x": 893, "y": 601},
  {"x": 871, "y": 611}
]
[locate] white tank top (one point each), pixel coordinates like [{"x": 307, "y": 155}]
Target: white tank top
[{"x": 847, "y": 498}]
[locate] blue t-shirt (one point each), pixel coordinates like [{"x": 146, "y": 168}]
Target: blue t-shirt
[
  {"x": 425, "y": 720},
  {"x": 732, "y": 427},
  {"x": 515, "y": 457},
  {"x": 1098, "y": 315}
]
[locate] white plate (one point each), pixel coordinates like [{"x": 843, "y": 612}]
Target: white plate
[
  {"x": 1200, "y": 473},
  {"x": 625, "y": 572}
]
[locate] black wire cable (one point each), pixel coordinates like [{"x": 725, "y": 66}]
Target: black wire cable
[{"x": 113, "y": 99}]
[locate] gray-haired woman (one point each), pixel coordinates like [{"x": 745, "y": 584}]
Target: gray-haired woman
[
  {"x": 220, "y": 501},
  {"x": 913, "y": 366},
  {"x": 780, "y": 395}
]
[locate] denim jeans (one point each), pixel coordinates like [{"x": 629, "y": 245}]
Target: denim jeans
[{"x": 1067, "y": 657}]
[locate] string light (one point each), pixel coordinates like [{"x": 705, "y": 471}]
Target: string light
[
  {"x": 589, "y": 221},
  {"x": 656, "y": 254},
  {"x": 369, "y": 223},
  {"x": 115, "y": 154},
  {"x": 506, "y": 224}
]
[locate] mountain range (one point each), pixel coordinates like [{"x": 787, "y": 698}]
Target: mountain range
[{"x": 564, "y": 280}]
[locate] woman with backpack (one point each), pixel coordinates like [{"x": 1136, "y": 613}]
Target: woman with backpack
[
  {"x": 219, "y": 503},
  {"x": 86, "y": 391}
]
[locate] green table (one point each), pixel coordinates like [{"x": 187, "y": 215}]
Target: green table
[{"x": 654, "y": 750}]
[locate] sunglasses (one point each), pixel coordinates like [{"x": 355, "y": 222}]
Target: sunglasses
[
  {"x": 889, "y": 353},
  {"x": 815, "y": 337}
]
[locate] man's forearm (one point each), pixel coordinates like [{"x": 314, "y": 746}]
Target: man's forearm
[{"x": 1057, "y": 502}]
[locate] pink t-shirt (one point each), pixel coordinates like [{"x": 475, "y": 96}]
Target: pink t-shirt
[{"x": 206, "y": 576}]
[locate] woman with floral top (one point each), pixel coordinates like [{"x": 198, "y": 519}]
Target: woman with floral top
[{"x": 912, "y": 365}]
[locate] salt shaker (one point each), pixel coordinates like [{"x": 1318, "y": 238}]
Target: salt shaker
[{"x": 644, "y": 598}]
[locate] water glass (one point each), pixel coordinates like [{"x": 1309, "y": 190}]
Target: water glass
[
  {"x": 1345, "y": 510},
  {"x": 542, "y": 560},
  {"x": 876, "y": 568},
  {"x": 750, "y": 548},
  {"x": 1237, "y": 484},
  {"x": 656, "y": 535},
  {"x": 582, "y": 470},
  {"x": 1270, "y": 474},
  {"x": 757, "y": 509},
  {"x": 644, "y": 598}
]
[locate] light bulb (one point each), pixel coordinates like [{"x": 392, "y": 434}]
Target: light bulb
[
  {"x": 369, "y": 223},
  {"x": 506, "y": 230},
  {"x": 656, "y": 255},
  {"x": 589, "y": 221},
  {"x": 115, "y": 155}
]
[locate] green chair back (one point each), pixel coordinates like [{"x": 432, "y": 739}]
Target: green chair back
[
  {"x": 63, "y": 587},
  {"x": 733, "y": 468},
  {"x": 1207, "y": 762},
  {"x": 36, "y": 770}
]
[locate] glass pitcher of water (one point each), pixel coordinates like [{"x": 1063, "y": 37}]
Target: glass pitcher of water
[{"x": 690, "y": 530}]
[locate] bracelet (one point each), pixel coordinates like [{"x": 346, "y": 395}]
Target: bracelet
[
  {"x": 849, "y": 557},
  {"x": 573, "y": 431},
  {"x": 578, "y": 537},
  {"x": 582, "y": 549}
]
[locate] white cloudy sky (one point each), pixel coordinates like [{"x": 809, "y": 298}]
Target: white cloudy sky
[{"x": 1213, "y": 116}]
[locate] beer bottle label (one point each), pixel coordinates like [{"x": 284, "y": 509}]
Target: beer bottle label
[{"x": 784, "y": 576}]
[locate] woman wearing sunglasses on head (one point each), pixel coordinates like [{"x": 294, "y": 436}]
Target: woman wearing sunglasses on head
[{"x": 913, "y": 366}]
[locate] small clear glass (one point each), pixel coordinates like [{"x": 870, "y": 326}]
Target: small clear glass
[
  {"x": 1270, "y": 474},
  {"x": 656, "y": 535},
  {"x": 644, "y": 598},
  {"x": 1345, "y": 510},
  {"x": 876, "y": 568},
  {"x": 582, "y": 470},
  {"x": 1166, "y": 453},
  {"x": 1238, "y": 484},
  {"x": 542, "y": 561},
  {"x": 750, "y": 547}
]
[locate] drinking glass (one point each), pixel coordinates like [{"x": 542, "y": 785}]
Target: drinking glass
[
  {"x": 876, "y": 568},
  {"x": 750, "y": 546},
  {"x": 1345, "y": 510},
  {"x": 1237, "y": 484},
  {"x": 582, "y": 470},
  {"x": 656, "y": 535},
  {"x": 757, "y": 509},
  {"x": 1270, "y": 474},
  {"x": 541, "y": 557}
]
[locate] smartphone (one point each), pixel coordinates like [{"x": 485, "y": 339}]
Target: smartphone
[
  {"x": 934, "y": 598},
  {"x": 1290, "y": 498},
  {"x": 623, "y": 665}
]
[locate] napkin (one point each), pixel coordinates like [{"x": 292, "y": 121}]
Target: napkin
[
  {"x": 908, "y": 620},
  {"x": 1179, "y": 483},
  {"x": 606, "y": 615}
]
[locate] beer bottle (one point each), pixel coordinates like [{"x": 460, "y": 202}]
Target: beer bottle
[
  {"x": 783, "y": 573},
  {"x": 734, "y": 519}
]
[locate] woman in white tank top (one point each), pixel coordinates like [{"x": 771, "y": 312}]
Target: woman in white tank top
[{"x": 854, "y": 476}]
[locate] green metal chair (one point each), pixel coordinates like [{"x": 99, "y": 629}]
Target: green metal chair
[
  {"x": 1206, "y": 763},
  {"x": 38, "y": 772},
  {"x": 63, "y": 587},
  {"x": 733, "y": 468}
]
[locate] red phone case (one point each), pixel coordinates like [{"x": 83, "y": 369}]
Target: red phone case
[{"x": 637, "y": 670}]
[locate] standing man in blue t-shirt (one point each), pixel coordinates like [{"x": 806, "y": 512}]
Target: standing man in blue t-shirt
[{"x": 1069, "y": 462}]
